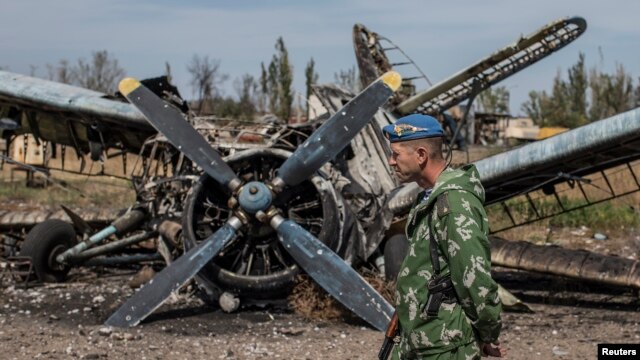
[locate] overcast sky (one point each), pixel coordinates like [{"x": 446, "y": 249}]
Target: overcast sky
[{"x": 441, "y": 36}]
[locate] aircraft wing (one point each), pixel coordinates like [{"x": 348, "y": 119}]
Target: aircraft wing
[
  {"x": 69, "y": 115},
  {"x": 597, "y": 162}
]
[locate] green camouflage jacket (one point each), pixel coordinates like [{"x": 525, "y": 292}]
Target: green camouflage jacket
[{"x": 460, "y": 226}]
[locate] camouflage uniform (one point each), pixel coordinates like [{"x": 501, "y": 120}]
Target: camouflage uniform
[{"x": 460, "y": 226}]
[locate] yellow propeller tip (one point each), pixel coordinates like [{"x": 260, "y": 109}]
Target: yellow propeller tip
[
  {"x": 127, "y": 85},
  {"x": 392, "y": 79}
]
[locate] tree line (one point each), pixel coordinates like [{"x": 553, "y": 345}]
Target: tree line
[
  {"x": 579, "y": 97},
  {"x": 270, "y": 92}
]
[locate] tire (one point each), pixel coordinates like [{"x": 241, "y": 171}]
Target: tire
[
  {"x": 395, "y": 250},
  {"x": 43, "y": 243}
]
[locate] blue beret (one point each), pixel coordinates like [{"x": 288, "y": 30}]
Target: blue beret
[{"x": 411, "y": 127}]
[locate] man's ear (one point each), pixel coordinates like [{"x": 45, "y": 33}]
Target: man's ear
[{"x": 422, "y": 154}]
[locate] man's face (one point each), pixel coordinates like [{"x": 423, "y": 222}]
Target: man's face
[{"x": 404, "y": 160}]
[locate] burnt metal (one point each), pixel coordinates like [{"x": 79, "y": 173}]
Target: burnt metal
[
  {"x": 158, "y": 289},
  {"x": 134, "y": 259},
  {"x": 582, "y": 155},
  {"x": 333, "y": 274},
  {"x": 334, "y": 134},
  {"x": 576, "y": 264},
  {"x": 315, "y": 153},
  {"x": 173, "y": 125},
  {"x": 505, "y": 62},
  {"x": 19, "y": 269}
]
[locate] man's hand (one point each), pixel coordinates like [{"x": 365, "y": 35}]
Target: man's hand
[{"x": 488, "y": 349}]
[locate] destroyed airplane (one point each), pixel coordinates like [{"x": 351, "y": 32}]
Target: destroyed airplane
[{"x": 352, "y": 205}]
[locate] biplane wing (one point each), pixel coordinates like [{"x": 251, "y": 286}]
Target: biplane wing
[
  {"x": 588, "y": 162},
  {"x": 69, "y": 115}
]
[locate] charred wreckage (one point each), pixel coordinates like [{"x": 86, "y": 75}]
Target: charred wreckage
[{"x": 245, "y": 207}]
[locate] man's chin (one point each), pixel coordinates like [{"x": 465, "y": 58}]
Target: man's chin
[{"x": 403, "y": 179}]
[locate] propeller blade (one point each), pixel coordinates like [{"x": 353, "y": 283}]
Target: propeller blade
[
  {"x": 170, "y": 123},
  {"x": 326, "y": 142},
  {"x": 333, "y": 274},
  {"x": 158, "y": 289}
]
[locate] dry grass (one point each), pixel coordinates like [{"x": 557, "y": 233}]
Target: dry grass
[
  {"x": 609, "y": 215},
  {"x": 67, "y": 189},
  {"x": 312, "y": 302}
]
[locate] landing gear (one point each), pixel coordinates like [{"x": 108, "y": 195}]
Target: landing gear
[{"x": 44, "y": 243}]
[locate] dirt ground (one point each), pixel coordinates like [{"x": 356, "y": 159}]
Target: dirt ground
[{"x": 62, "y": 321}]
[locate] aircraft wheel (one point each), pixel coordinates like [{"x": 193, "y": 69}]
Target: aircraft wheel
[
  {"x": 395, "y": 250},
  {"x": 43, "y": 243},
  {"x": 254, "y": 264}
]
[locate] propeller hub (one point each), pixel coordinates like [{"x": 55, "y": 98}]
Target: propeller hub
[{"x": 254, "y": 197}]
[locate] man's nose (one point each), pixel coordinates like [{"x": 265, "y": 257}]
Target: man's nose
[{"x": 391, "y": 161}]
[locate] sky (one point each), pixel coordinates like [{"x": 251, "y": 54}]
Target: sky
[{"x": 442, "y": 37}]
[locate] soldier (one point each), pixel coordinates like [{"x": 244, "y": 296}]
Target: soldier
[{"x": 447, "y": 303}]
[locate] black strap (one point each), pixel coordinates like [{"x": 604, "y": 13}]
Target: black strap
[{"x": 433, "y": 245}]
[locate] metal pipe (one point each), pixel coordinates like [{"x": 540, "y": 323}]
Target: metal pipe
[
  {"x": 563, "y": 147},
  {"x": 122, "y": 260},
  {"x": 121, "y": 225},
  {"x": 94, "y": 239},
  {"x": 112, "y": 246}
]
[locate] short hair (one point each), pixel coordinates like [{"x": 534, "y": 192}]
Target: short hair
[{"x": 432, "y": 144}]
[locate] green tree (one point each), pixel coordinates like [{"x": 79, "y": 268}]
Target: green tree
[
  {"x": 610, "y": 93},
  {"x": 276, "y": 82},
  {"x": 311, "y": 78},
  {"x": 566, "y": 106},
  {"x": 494, "y": 100},
  {"x": 285, "y": 79},
  {"x": 273, "y": 91},
  {"x": 576, "y": 92}
]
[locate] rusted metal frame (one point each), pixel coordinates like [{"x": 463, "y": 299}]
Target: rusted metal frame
[
  {"x": 518, "y": 61},
  {"x": 16, "y": 269},
  {"x": 423, "y": 75},
  {"x": 583, "y": 192},
  {"x": 476, "y": 88},
  {"x": 33, "y": 125},
  {"x": 553, "y": 178},
  {"x": 505, "y": 207},
  {"x": 147, "y": 168},
  {"x": 633, "y": 174},
  {"x": 532, "y": 205},
  {"x": 571, "y": 209},
  {"x": 606, "y": 179},
  {"x": 555, "y": 195},
  {"x": 76, "y": 145},
  {"x": 124, "y": 162}
]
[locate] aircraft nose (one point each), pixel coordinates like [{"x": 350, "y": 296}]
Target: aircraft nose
[{"x": 255, "y": 196}]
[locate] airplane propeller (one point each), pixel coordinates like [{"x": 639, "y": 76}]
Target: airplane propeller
[{"x": 255, "y": 199}]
